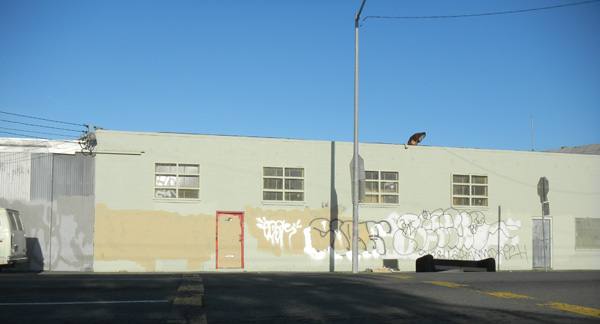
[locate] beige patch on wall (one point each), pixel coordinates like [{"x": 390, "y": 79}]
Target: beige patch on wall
[{"x": 145, "y": 236}]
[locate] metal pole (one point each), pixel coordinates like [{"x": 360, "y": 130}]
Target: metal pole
[
  {"x": 544, "y": 238},
  {"x": 499, "y": 222},
  {"x": 355, "y": 188},
  {"x": 532, "y": 133}
]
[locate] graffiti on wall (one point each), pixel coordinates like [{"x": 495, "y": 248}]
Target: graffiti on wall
[
  {"x": 275, "y": 231},
  {"x": 444, "y": 233}
]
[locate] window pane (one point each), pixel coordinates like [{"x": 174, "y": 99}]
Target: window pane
[
  {"x": 187, "y": 193},
  {"x": 294, "y": 196},
  {"x": 188, "y": 169},
  {"x": 18, "y": 221},
  {"x": 460, "y": 178},
  {"x": 479, "y": 190},
  {"x": 371, "y": 186},
  {"x": 165, "y": 181},
  {"x": 165, "y": 193},
  {"x": 294, "y": 172},
  {"x": 372, "y": 199},
  {"x": 165, "y": 168},
  {"x": 460, "y": 201},
  {"x": 389, "y": 187},
  {"x": 270, "y": 183},
  {"x": 188, "y": 181},
  {"x": 389, "y": 199},
  {"x": 460, "y": 190},
  {"x": 389, "y": 175},
  {"x": 371, "y": 175},
  {"x": 479, "y": 179},
  {"x": 270, "y": 195},
  {"x": 480, "y": 201},
  {"x": 11, "y": 220},
  {"x": 273, "y": 172},
  {"x": 294, "y": 184}
]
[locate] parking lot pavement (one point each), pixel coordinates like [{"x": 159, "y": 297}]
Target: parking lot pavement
[
  {"x": 188, "y": 305},
  {"x": 488, "y": 297},
  {"x": 100, "y": 298},
  {"x": 286, "y": 297}
]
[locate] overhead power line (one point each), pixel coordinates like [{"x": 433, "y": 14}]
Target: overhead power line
[
  {"x": 481, "y": 14},
  {"x": 44, "y": 119},
  {"x": 30, "y": 131},
  {"x": 35, "y": 125}
]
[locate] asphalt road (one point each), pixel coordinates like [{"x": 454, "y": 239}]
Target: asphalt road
[
  {"x": 240, "y": 297},
  {"x": 483, "y": 297}
]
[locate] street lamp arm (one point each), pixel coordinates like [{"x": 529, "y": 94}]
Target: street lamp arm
[{"x": 358, "y": 14}]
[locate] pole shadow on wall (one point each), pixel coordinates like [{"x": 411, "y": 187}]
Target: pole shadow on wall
[{"x": 333, "y": 212}]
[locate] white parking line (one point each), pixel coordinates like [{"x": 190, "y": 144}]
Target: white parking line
[{"x": 87, "y": 303}]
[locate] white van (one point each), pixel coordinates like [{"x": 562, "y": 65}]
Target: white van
[{"x": 12, "y": 238}]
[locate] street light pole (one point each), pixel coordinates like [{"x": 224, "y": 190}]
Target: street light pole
[{"x": 355, "y": 188}]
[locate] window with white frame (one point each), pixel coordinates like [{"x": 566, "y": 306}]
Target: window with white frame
[
  {"x": 469, "y": 190},
  {"x": 176, "y": 181},
  {"x": 283, "y": 184},
  {"x": 381, "y": 187}
]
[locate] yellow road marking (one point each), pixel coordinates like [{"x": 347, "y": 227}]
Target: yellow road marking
[
  {"x": 506, "y": 295},
  {"x": 574, "y": 309},
  {"x": 403, "y": 277},
  {"x": 445, "y": 284},
  {"x": 560, "y": 306}
]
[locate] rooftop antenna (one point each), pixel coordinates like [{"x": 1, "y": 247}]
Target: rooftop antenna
[{"x": 532, "y": 133}]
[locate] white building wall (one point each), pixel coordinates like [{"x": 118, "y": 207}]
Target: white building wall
[{"x": 136, "y": 232}]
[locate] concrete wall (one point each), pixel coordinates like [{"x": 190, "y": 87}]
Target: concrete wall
[{"x": 136, "y": 232}]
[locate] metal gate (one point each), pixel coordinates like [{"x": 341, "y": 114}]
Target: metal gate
[{"x": 538, "y": 244}]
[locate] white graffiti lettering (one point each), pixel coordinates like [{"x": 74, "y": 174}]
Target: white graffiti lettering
[
  {"x": 274, "y": 230},
  {"x": 449, "y": 233}
]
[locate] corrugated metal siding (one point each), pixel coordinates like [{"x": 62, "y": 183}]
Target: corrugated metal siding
[
  {"x": 54, "y": 194},
  {"x": 41, "y": 176},
  {"x": 72, "y": 242},
  {"x": 15, "y": 170},
  {"x": 37, "y": 215}
]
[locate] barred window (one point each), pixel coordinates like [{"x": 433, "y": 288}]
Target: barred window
[
  {"x": 381, "y": 187},
  {"x": 283, "y": 184},
  {"x": 176, "y": 181},
  {"x": 469, "y": 190}
]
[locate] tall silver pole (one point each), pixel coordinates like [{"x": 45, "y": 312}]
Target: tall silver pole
[
  {"x": 499, "y": 223},
  {"x": 544, "y": 238},
  {"x": 355, "y": 164}
]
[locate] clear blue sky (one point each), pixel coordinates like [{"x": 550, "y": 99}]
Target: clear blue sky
[{"x": 286, "y": 69}]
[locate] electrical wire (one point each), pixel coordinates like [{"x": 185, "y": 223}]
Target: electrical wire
[
  {"x": 44, "y": 119},
  {"x": 36, "y": 125},
  {"x": 481, "y": 14},
  {"x": 30, "y": 131},
  {"x": 27, "y": 153}
]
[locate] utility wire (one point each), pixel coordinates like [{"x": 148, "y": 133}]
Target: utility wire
[
  {"x": 35, "y": 125},
  {"x": 44, "y": 119},
  {"x": 481, "y": 14},
  {"x": 30, "y": 131}
]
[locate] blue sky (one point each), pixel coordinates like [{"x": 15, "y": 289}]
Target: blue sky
[{"x": 286, "y": 69}]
